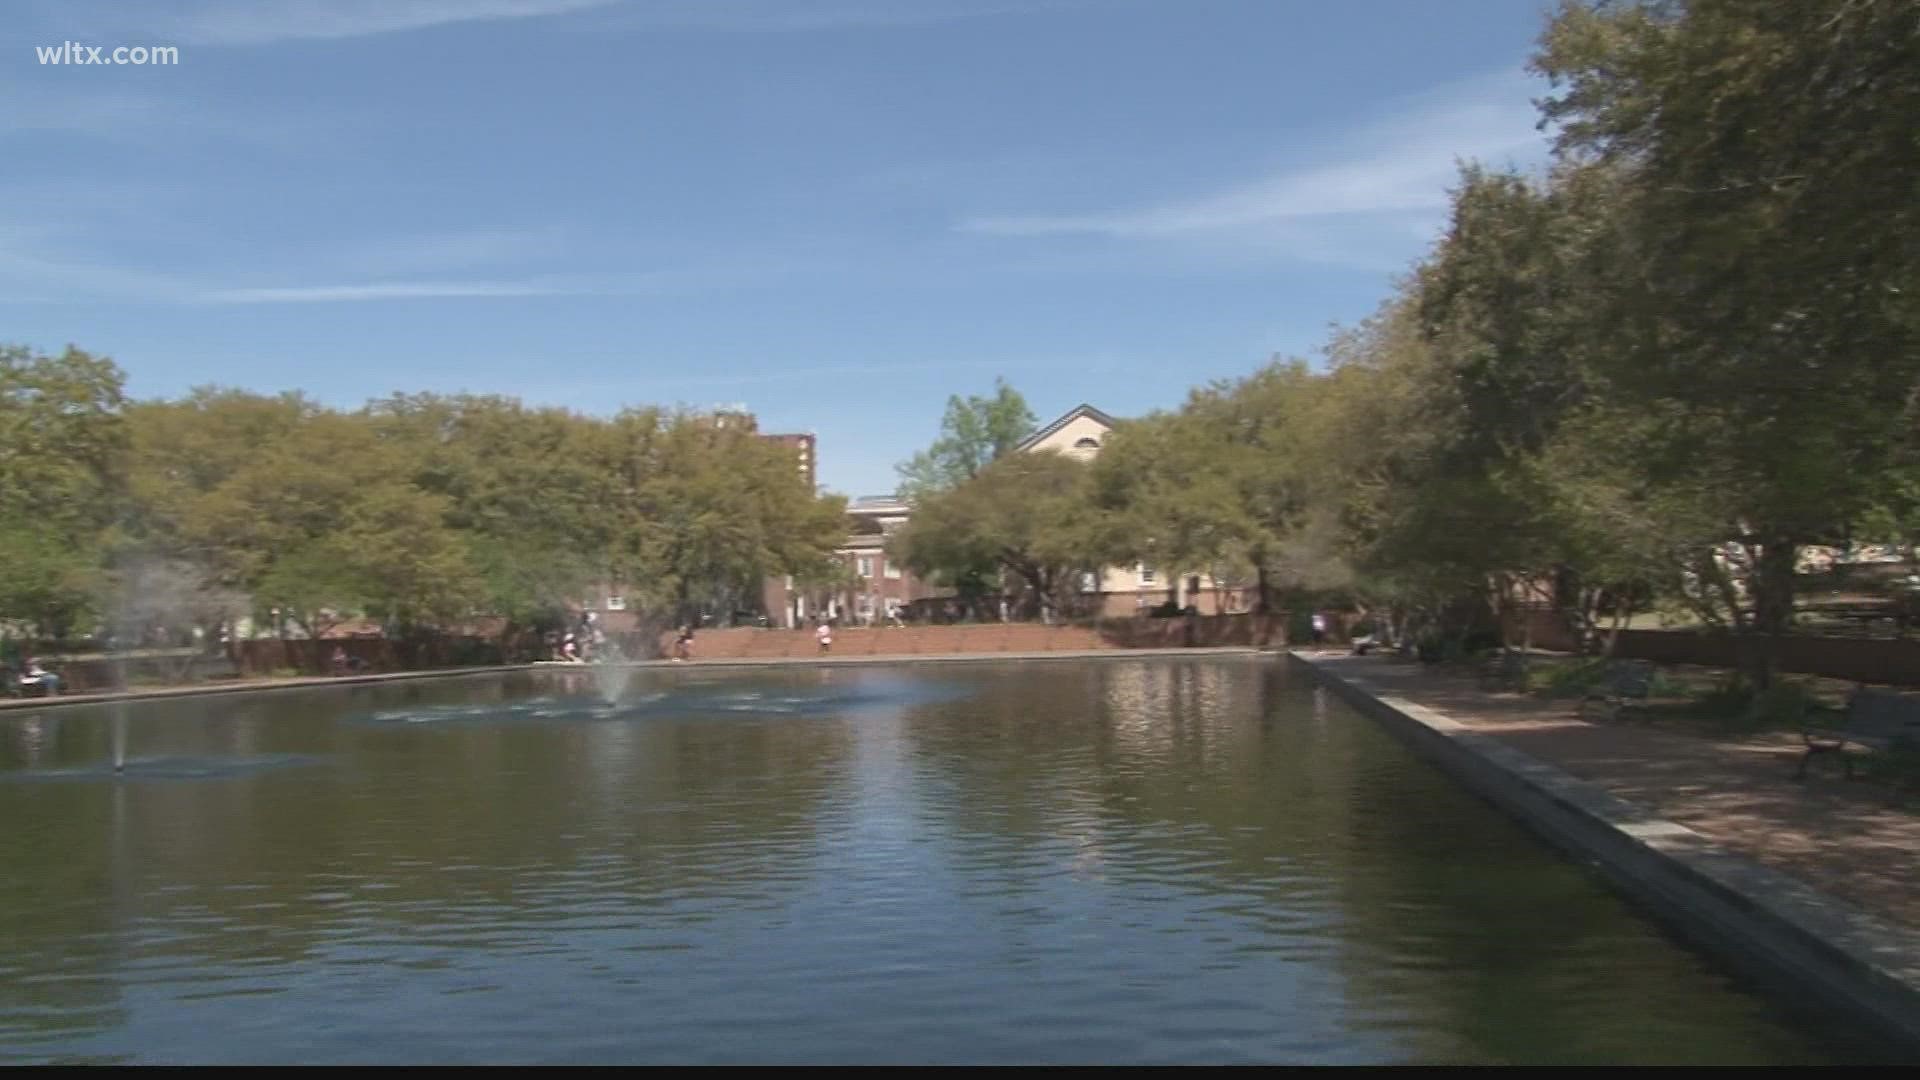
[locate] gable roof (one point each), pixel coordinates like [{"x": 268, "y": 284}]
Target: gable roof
[{"x": 1076, "y": 413}]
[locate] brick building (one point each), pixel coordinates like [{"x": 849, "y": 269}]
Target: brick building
[
  {"x": 803, "y": 450},
  {"x": 874, "y": 584}
]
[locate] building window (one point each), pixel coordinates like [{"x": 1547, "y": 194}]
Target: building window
[
  {"x": 1087, "y": 444},
  {"x": 866, "y": 566},
  {"x": 893, "y": 570},
  {"x": 616, "y": 603},
  {"x": 1146, "y": 574}
]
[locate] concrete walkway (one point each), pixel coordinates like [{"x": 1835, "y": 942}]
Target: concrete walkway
[{"x": 1850, "y": 840}]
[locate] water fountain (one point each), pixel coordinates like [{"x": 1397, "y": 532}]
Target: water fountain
[{"x": 611, "y": 673}]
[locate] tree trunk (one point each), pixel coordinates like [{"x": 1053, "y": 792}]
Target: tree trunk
[
  {"x": 1526, "y": 645},
  {"x": 1503, "y": 613},
  {"x": 1772, "y": 583},
  {"x": 1722, "y": 583},
  {"x": 1613, "y": 635}
]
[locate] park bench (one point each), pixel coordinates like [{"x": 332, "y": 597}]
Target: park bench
[
  {"x": 1626, "y": 685},
  {"x": 1873, "y": 720},
  {"x": 1377, "y": 638}
]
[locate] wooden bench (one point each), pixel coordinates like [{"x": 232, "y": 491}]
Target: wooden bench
[
  {"x": 1873, "y": 719},
  {"x": 1627, "y": 684}
]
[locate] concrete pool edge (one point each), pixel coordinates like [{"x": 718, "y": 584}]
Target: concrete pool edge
[
  {"x": 1199, "y": 652},
  {"x": 311, "y": 682},
  {"x": 1774, "y": 926},
  {"x": 252, "y": 686}
]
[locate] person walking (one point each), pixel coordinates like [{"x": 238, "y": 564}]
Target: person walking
[{"x": 825, "y": 635}]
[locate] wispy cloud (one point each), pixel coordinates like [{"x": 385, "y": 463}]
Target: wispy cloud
[
  {"x": 249, "y": 22},
  {"x": 389, "y": 290},
  {"x": 441, "y": 252},
  {"x": 815, "y": 371},
  {"x": 46, "y": 264},
  {"x": 1401, "y": 165},
  {"x": 659, "y": 282},
  {"x": 152, "y": 118},
  {"x": 35, "y": 278},
  {"x": 254, "y": 22},
  {"x": 793, "y": 16}
]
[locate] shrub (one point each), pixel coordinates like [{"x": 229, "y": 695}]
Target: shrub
[{"x": 1782, "y": 705}]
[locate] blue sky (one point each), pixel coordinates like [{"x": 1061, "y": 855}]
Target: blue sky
[{"x": 837, "y": 212}]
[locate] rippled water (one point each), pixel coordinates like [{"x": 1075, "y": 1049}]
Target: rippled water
[{"x": 1108, "y": 861}]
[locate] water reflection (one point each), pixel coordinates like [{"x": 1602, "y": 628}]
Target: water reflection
[{"x": 1112, "y": 861}]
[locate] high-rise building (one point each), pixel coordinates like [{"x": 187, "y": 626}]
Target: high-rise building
[
  {"x": 803, "y": 449},
  {"x": 736, "y": 416}
]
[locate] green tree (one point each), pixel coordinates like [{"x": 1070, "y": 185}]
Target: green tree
[
  {"x": 49, "y": 588},
  {"x": 1775, "y": 314},
  {"x": 316, "y": 585},
  {"x": 528, "y": 491},
  {"x": 62, "y": 453},
  {"x": 230, "y": 481},
  {"x": 713, "y": 511},
  {"x": 1500, "y": 311},
  {"x": 1225, "y": 484},
  {"x": 62, "y": 439},
  {"x": 1029, "y": 515},
  {"x": 394, "y": 541},
  {"x": 974, "y": 433}
]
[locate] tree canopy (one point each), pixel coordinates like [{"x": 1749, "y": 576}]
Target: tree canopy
[
  {"x": 418, "y": 511},
  {"x": 1652, "y": 373},
  {"x": 974, "y": 432}
]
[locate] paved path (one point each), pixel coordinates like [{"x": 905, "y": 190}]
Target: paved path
[{"x": 1852, "y": 840}]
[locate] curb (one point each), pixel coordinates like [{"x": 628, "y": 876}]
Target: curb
[
  {"x": 311, "y": 682},
  {"x": 916, "y": 658},
  {"x": 248, "y": 687}
]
